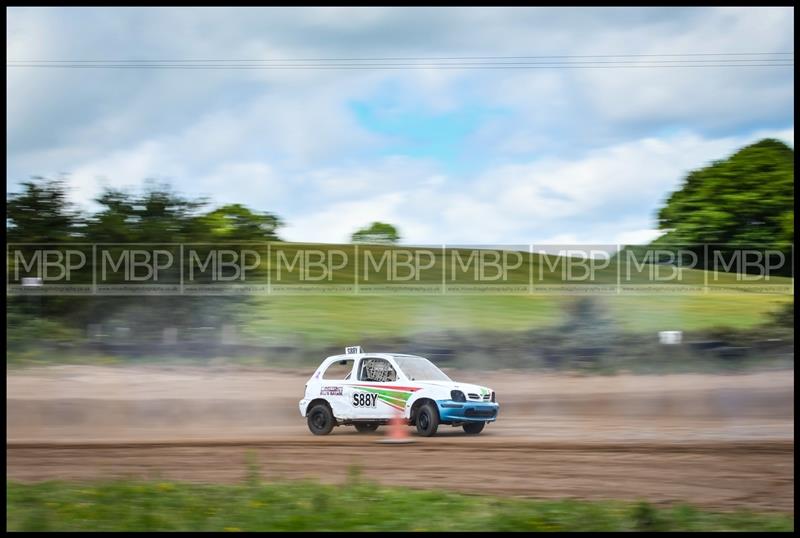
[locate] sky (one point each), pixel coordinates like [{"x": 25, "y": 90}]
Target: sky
[{"x": 452, "y": 156}]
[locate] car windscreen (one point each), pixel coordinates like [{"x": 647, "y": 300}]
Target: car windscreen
[{"x": 419, "y": 369}]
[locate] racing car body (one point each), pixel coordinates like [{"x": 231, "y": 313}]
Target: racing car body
[{"x": 369, "y": 389}]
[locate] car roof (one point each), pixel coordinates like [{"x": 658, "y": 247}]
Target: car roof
[{"x": 355, "y": 356}]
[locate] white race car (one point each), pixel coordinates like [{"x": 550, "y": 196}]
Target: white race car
[{"x": 367, "y": 390}]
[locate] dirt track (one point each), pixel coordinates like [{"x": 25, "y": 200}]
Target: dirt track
[
  {"x": 714, "y": 475},
  {"x": 713, "y": 441}
]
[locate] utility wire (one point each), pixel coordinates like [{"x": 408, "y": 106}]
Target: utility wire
[
  {"x": 428, "y": 58},
  {"x": 394, "y": 67},
  {"x": 434, "y": 64},
  {"x": 727, "y": 59},
  {"x": 405, "y": 66}
]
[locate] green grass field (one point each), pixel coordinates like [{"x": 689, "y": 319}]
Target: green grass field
[
  {"x": 730, "y": 300},
  {"x": 338, "y": 319},
  {"x": 356, "y": 506}
]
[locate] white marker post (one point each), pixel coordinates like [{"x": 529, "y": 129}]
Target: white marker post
[{"x": 670, "y": 337}]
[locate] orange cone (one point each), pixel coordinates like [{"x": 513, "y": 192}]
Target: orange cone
[{"x": 398, "y": 433}]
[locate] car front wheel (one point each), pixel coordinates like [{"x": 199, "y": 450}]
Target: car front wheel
[
  {"x": 474, "y": 428},
  {"x": 427, "y": 420},
  {"x": 320, "y": 420}
]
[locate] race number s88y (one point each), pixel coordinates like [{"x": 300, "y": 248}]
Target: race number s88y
[{"x": 363, "y": 399}]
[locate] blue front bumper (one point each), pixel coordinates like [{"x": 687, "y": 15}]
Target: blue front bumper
[{"x": 450, "y": 411}]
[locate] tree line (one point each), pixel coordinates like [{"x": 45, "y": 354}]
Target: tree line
[{"x": 42, "y": 213}]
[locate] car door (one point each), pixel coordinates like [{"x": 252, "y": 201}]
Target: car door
[{"x": 371, "y": 390}]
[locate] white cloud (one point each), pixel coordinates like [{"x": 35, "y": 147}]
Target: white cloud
[
  {"x": 637, "y": 237},
  {"x": 239, "y": 182}
]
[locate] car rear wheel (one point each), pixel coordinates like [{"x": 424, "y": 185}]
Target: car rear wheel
[
  {"x": 320, "y": 420},
  {"x": 367, "y": 427},
  {"x": 427, "y": 420},
  {"x": 474, "y": 428}
]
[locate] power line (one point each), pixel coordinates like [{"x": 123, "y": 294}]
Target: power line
[
  {"x": 436, "y": 64},
  {"x": 405, "y": 66},
  {"x": 391, "y": 67},
  {"x": 420, "y": 58},
  {"x": 609, "y": 61}
]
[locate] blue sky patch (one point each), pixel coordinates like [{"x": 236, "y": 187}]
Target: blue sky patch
[{"x": 425, "y": 134}]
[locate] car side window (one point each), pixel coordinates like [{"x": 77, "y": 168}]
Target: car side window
[
  {"x": 376, "y": 370},
  {"x": 339, "y": 370}
]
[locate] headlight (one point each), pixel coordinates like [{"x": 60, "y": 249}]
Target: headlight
[
  {"x": 457, "y": 396},
  {"x": 493, "y": 398}
]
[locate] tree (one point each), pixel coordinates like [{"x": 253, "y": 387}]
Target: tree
[
  {"x": 747, "y": 199},
  {"x": 41, "y": 213},
  {"x": 113, "y": 222},
  {"x": 164, "y": 215},
  {"x": 235, "y": 222},
  {"x": 161, "y": 215},
  {"x": 156, "y": 215},
  {"x": 377, "y": 232}
]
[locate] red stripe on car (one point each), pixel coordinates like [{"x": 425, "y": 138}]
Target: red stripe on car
[{"x": 412, "y": 389}]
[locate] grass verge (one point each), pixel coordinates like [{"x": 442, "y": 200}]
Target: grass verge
[{"x": 357, "y": 506}]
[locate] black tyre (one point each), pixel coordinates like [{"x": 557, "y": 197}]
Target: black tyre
[
  {"x": 474, "y": 428},
  {"x": 320, "y": 420},
  {"x": 366, "y": 427},
  {"x": 427, "y": 420}
]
